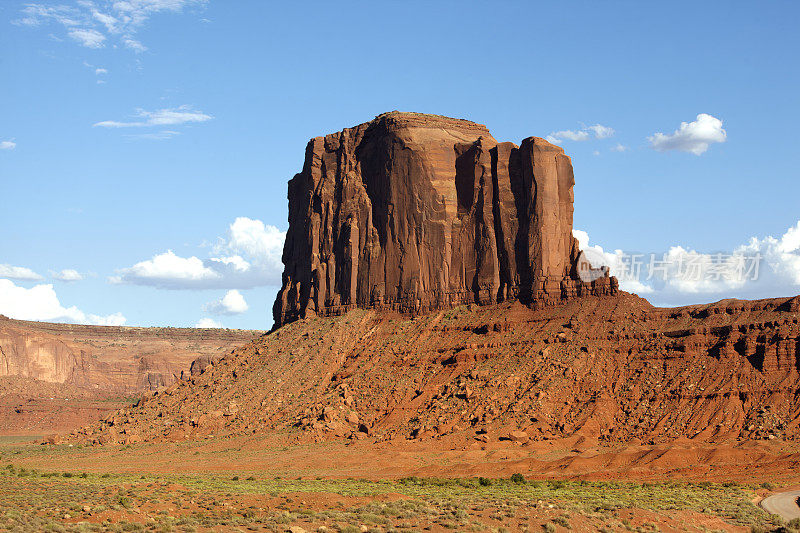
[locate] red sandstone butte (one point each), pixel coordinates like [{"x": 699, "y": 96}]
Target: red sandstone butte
[{"x": 417, "y": 212}]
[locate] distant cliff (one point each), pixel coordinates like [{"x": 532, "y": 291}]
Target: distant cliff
[
  {"x": 418, "y": 212},
  {"x": 121, "y": 360}
]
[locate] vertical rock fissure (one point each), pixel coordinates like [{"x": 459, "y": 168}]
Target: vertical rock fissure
[
  {"x": 5, "y": 362},
  {"x": 797, "y": 353},
  {"x": 524, "y": 194},
  {"x": 499, "y": 234},
  {"x": 481, "y": 238}
]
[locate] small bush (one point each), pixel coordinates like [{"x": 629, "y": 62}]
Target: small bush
[
  {"x": 776, "y": 519},
  {"x": 562, "y": 521},
  {"x": 549, "y": 527},
  {"x": 484, "y": 482},
  {"x": 518, "y": 478}
]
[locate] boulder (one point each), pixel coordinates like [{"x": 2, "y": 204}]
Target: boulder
[{"x": 514, "y": 435}]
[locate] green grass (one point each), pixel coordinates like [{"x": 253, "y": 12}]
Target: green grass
[
  {"x": 18, "y": 439},
  {"x": 31, "y": 500}
]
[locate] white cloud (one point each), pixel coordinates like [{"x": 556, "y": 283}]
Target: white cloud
[
  {"x": 21, "y": 273},
  {"x": 584, "y": 134},
  {"x": 233, "y": 303},
  {"x": 37, "y": 14},
  {"x": 67, "y": 274},
  {"x": 557, "y": 137},
  {"x": 136, "y": 12},
  {"x": 248, "y": 256},
  {"x": 134, "y": 45},
  {"x": 88, "y": 38},
  {"x": 91, "y": 22},
  {"x": 167, "y": 271},
  {"x": 106, "y": 20},
  {"x": 162, "y": 117},
  {"x": 7, "y": 145},
  {"x": 761, "y": 268},
  {"x": 252, "y": 238},
  {"x": 208, "y": 323},
  {"x": 694, "y": 137},
  {"x": 237, "y": 262},
  {"x": 41, "y": 303},
  {"x": 99, "y": 71},
  {"x": 782, "y": 255},
  {"x": 601, "y": 132},
  {"x": 619, "y": 148}
]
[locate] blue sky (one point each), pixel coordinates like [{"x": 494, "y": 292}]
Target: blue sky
[{"x": 133, "y": 128}]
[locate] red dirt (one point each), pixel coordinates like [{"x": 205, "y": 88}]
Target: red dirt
[
  {"x": 600, "y": 386},
  {"x": 33, "y": 407}
]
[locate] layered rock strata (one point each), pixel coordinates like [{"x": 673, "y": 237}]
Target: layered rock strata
[
  {"x": 613, "y": 369},
  {"x": 121, "y": 360},
  {"x": 418, "y": 212}
]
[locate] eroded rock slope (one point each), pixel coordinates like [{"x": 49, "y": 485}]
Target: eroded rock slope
[{"x": 610, "y": 368}]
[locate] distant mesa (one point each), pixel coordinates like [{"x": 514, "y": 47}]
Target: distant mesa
[
  {"x": 109, "y": 359},
  {"x": 57, "y": 377},
  {"x": 415, "y": 213}
]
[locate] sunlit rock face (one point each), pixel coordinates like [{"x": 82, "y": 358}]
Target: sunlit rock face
[{"x": 417, "y": 212}]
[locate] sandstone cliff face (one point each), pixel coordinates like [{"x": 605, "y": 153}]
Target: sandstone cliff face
[
  {"x": 419, "y": 212},
  {"x": 121, "y": 360}
]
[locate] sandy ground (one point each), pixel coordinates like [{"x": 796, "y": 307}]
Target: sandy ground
[{"x": 776, "y": 462}]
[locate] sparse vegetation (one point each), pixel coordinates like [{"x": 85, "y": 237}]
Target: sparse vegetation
[
  {"x": 128, "y": 502},
  {"x": 562, "y": 521}
]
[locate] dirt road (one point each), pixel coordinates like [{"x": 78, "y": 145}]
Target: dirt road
[{"x": 783, "y": 503}]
